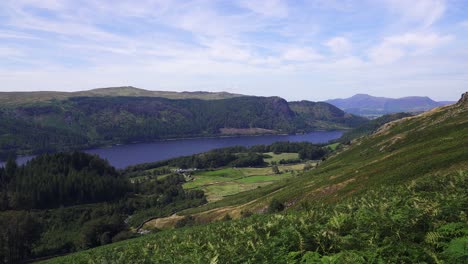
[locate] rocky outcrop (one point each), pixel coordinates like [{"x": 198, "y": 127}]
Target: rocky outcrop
[{"x": 464, "y": 99}]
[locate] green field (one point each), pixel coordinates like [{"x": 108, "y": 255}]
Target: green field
[
  {"x": 265, "y": 178},
  {"x": 280, "y": 156},
  {"x": 229, "y": 181},
  {"x": 333, "y": 146}
]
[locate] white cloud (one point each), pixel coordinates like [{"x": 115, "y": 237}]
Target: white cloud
[
  {"x": 385, "y": 53},
  {"x": 426, "y": 12},
  {"x": 301, "y": 54},
  {"x": 7, "y": 52},
  {"x": 393, "y": 48},
  {"x": 270, "y": 8},
  {"x": 223, "y": 50},
  {"x": 257, "y": 47},
  {"x": 46, "y": 4},
  {"x": 423, "y": 41},
  {"x": 339, "y": 45},
  {"x": 15, "y": 35}
]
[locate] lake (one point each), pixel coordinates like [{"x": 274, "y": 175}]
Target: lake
[{"x": 121, "y": 156}]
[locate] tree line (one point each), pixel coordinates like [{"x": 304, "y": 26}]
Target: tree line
[{"x": 237, "y": 156}]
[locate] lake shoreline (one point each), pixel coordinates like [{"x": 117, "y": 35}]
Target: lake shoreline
[
  {"x": 129, "y": 154},
  {"x": 209, "y": 137}
]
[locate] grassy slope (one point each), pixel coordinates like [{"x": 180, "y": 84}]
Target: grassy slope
[
  {"x": 229, "y": 181},
  {"x": 280, "y": 156},
  {"x": 425, "y": 147},
  {"x": 401, "y": 151},
  {"x": 413, "y": 147},
  {"x": 392, "y": 224}
]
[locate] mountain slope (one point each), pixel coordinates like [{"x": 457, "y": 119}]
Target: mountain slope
[
  {"x": 371, "y": 126},
  {"x": 315, "y": 113},
  {"x": 16, "y": 98},
  {"x": 83, "y": 122},
  {"x": 363, "y": 104},
  {"x": 400, "y": 151},
  {"x": 397, "y": 196}
]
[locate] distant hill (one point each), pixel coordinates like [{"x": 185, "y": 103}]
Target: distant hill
[
  {"x": 12, "y": 98},
  {"x": 363, "y": 104},
  {"x": 124, "y": 115}
]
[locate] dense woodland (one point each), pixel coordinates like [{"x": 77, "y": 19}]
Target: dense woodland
[
  {"x": 54, "y": 180},
  {"x": 59, "y": 203},
  {"x": 83, "y": 122}
]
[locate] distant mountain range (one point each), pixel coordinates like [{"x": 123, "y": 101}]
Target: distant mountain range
[{"x": 363, "y": 104}]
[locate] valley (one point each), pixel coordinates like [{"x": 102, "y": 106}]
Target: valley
[
  {"x": 358, "y": 205},
  {"x": 233, "y": 132}
]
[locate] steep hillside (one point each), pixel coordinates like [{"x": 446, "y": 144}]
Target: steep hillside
[
  {"x": 363, "y": 104},
  {"x": 371, "y": 126},
  {"x": 15, "y": 98},
  {"x": 397, "y": 196},
  {"x": 316, "y": 114},
  {"x": 83, "y": 122}
]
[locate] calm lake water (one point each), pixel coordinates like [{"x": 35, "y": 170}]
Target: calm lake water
[{"x": 122, "y": 156}]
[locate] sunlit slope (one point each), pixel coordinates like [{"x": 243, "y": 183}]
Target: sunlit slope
[{"x": 435, "y": 143}]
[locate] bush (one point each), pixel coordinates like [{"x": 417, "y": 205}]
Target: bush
[
  {"x": 186, "y": 221},
  {"x": 245, "y": 214},
  {"x": 124, "y": 235},
  {"x": 275, "y": 206}
]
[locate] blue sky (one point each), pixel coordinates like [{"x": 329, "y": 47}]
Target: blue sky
[{"x": 311, "y": 50}]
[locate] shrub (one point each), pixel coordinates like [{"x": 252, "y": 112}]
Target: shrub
[{"x": 275, "y": 206}]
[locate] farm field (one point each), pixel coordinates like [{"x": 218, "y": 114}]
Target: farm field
[
  {"x": 280, "y": 156},
  {"x": 224, "y": 182}
]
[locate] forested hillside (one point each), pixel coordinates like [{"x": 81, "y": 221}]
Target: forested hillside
[
  {"x": 396, "y": 196},
  {"x": 83, "y": 122},
  {"x": 64, "y": 202}
]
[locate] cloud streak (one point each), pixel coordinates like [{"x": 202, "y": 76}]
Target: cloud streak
[{"x": 312, "y": 50}]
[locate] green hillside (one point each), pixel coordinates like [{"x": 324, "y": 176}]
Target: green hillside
[
  {"x": 397, "y": 196},
  {"x": 371, "y": 126},
  {"x": 18, "y": 98},
  {"x": 84, "y": 122}
]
